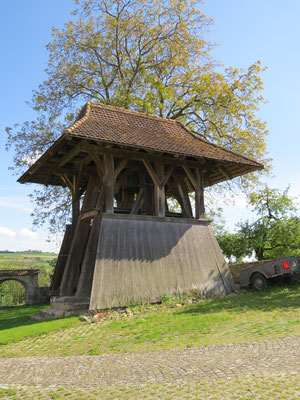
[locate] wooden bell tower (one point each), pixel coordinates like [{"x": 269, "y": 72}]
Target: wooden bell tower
[{"x": 124, "y": 244}]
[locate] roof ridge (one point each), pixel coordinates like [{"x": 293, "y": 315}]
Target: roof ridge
[
  {"x": 80, "y": 119},
  {"x": 127, "y": 111},
  {"x": 217, "y": 146}
]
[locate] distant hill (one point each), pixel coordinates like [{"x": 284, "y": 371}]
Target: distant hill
[
  {"x": 43, "y": 261},
  {"x": 26, "y": 252}
]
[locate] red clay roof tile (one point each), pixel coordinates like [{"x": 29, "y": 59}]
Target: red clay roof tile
[{"x": 126, "y": 127}]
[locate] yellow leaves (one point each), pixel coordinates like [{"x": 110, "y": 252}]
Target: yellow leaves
[{"x": 152, "y": 56}]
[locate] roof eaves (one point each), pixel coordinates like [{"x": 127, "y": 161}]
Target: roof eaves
[
  {"x": 260, "y": 166},
  {"x": 43, "y": 157},
  {"x": 66, "y": 133}
]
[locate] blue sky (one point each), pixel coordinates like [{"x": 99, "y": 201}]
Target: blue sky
[{"x": 247, "y": 31}]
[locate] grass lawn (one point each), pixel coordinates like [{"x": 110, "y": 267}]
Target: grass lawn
[
  {"x": 229, "y": 319},
  {"x": 239, "y": 318},
  {"x": 15, "y": 323}
]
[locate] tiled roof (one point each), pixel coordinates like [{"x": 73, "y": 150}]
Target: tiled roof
[
  {"x": 131, "y": 128},
  {"x": 112, "y": 125}
]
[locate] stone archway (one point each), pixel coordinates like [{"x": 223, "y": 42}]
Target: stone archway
[{"x": 28, "y": 278}]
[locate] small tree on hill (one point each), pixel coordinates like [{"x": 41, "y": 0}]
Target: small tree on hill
[{"x": 276, "y": 232}]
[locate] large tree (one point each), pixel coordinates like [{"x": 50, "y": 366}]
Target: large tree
[
  {"x": 274, "y": 233},
  {"x": 150, "y": 56}
]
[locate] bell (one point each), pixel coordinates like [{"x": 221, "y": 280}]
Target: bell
[{"x": 133, "y": 182}]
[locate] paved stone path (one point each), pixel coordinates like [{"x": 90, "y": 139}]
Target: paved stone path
[{"x": 269, "y": 357}]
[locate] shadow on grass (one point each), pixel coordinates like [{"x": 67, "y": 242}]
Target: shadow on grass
[
  {"x": 16, "y": 324},
  {"x": 11, "y": 317},
  {"x": 267, "y": 300}
]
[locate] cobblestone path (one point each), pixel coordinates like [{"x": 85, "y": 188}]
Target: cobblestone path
[{"x": 269, "y": 357}]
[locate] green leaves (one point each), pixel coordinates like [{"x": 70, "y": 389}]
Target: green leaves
[{"x": 275, "y": 233}]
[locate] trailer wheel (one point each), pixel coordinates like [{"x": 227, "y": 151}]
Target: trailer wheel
[{"x": 259, "y": 282}]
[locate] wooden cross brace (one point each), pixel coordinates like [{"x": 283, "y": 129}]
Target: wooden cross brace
[{"x": 160, "y": 181}]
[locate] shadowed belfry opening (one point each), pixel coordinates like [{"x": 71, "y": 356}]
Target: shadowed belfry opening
[{"x": 124, "y": 244}]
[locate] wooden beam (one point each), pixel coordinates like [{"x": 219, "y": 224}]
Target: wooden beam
[
  {"x": 138, "y": 201},
  {"x": 85, "y": 281},
  {"x": 70, "y": 154},
  {"x": 75, "y": 209},
  {"x": 122, "y": 179},
  {"x": 166, "y": 206},
  {"x": 79, "y": 175},
  {"x": 99, "y": 204},
  {"x": 48, "y": 177},
  {"x": 159, "y": 179},
  {"x": 72, "y": 270},
  {"x": 35, "y": 166},
  {"x": 197, "y": 182},
  {"x": 70, "y": 171},
  {"x": 188, "y": 184},
  {"x": 225, "y": 173},
  {"x": 159, "y": 191},
  {"x": 88, "y": 214},
  {"x": 82, "y": 189},
  {"x": 181, "y": 187},
  {"x": 92, "y": 193},
  {"x": 206, "y": 177},
  {"x": 61, "y": 260},
  {"x": 84, "y": 161},
  {"x": 67, "y": 182},
  {"x": 168, "y": 174},
  {"x": 151, "y": 172},
  {"x": 148, "y": 203},
  {"x": 175, "y": 193},
  {"x": 199, "y": 195},
  {"x": 191, "y": 176},
  {"x": 133, "y": 154},
  {"x": 99, "y": 164},
  {"x": 120, "y": 166}
]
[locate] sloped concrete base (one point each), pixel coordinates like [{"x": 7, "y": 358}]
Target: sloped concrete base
[{"x": 140, "y": 259}]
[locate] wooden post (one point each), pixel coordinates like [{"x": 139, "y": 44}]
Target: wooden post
[
  {"x": 72, "y": 270},
  {"x": 159, "y": 190},
  {"x": 92, "y": 193},
  {"x": 75, "y": 191},
  {"x": 71, "y": 274},
  {"x": 61, "y": 261},
  {"x": 148, "y": 198},
  {"x": 159, "y": 180},
  {"x": 88, "y": 264},
  {"x": 75, "y": 208},
  {"x": 199, "y": 195},
  {"x": 108, "y": 182}
]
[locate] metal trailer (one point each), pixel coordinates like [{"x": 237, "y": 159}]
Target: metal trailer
[{"x": 259, "y": 273}]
